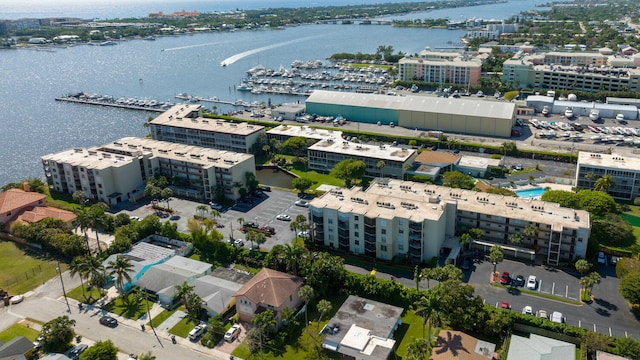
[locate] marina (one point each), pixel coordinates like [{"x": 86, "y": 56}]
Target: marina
[{"x": 107, "y": 100}]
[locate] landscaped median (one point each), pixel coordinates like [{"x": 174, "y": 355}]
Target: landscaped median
[{"x": 539, "y": 294}]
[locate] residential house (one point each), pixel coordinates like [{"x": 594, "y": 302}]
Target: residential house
[
  {"x": 16, "y": 348},
  {"x": 362, "y": 329},
  {"x": 28, "y": 207},
  {"x": 460, "y": 346},
  {"x": 216, "y": 289},
  {"x": 537, "y": 347},
  {"x": 268, "y": 290}
]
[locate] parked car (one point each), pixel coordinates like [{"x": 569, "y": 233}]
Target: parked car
[
  {"x": 302, "y": 203},
  {"x": 16, "y": 299},
  {"x": 75, "y": 352},
  {"x": 216, "y": 206},
  {"x": 505, "y": 279},
  {"x": 108, "y": 321},
  {"x": 532, "y": 282},
  {"x": 283, "y": 217},
  {"x": 174, "y": 217},
  {"x": 466, "y": 263},
  {"x": 505, "y": 305},
  {"x": 527, "y": 310},
  {"x": 542, "y": 314},
  {"x": 238, "y": 242},
  {"x": 270, "y": 229},
  {"x": 519, "y": 167},
  {"x": 303, "y": 234},
  {"x": 250, "y": 225},
  {"x": 265, "y": 187},
  {"x": 613, "y": 260},
  {"x": 602, "y": 259},
  {"x": 196, "y": 332},
  {"x": 519, "y": 281},
  {"x": 232, "y": 333},
  {"x": 557, "y": 317}
]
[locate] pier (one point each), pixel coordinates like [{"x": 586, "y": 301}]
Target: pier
[
  {"x": 107, "y": 100},
  {"x": 213, "y": 99}
]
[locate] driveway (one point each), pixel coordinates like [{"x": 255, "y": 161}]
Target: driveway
[{"x": 229, "y": 347}]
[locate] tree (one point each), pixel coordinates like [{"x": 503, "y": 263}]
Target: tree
[
  {"x": 79, "y": 197},
  {"x": 311, "y": 341},
  {"x": 293, "y": 256},
  {"x": 418, "y": 349},
  {"x": 121, "y": 268},
  {"x": 427, "y": 307},
  {"x": 202, "y": 210},
  {"x": 627, "y": 346},
  {"x": 146, "y": 356},
  {"x": 324, "y": 307},
  {"x": 57, "y": 334},
  {"x": 604, "y": 183},
  {"x": 425, "y": 274},
  {"x": 406, "y": 167},
  {"x": 476, "y": 233},
  {"x": 515, "y": 238},
  {"x": 582, "y": 266},
  {"x": 306, "y": 293},
  {"x": 349, "y": 170},
  {"x": 381, "y": 165},
  {"x": 456, "y": 179},
  {"x": 101, "y": 350},
  {"x": 496, "y": 255},
  {"x": 531, "y": 231},
  {"x": 508, "y": 148},
  {"x": 594, "y": 341},
  {"x": 295, "y": 145},
  {"x": 79, "y": 266},
  {"x": 255, "y": 236},
  {"x": 83, "y": 221},
  {"x": 447, "y": 272},
  {"x": 589, "y": 281},
  {"x": 302, "y": 184},
  {"x": 326, "y": 271},
  {"x": 266, "y": 322},
  {"x": 184, "y": 291},
  {"x": 465, "y": 240},
  {"x": 630, "y": 287},
  {"x": 97, "y": 218},
  {"x": 166, "y": 195}
]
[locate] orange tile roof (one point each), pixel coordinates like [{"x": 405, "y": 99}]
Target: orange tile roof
[
  {"x": 270, "y": 287},
  {"x": 14, "y": 199},
  {"x": 40, "y": 212},
  {"x": 455, "y": 345},
  {"x": 437, "y": 157}
]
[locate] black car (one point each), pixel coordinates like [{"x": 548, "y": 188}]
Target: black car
[
  {"x": 75, "y": 352},
  {"x": 519, "y": 281},
  {"x": 108, "y": 321}
]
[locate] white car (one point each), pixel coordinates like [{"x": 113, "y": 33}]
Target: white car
[
  {"x": 283, "y": 217},
  {"x": 196, "y": 332},
  {"x": 238, "y": 242},
  {"x": 303, "y": 234},
  {"x": 620, "y": 117},
  {"x": 232, "y": 333},
  {"x": 532, "y": 282},
  {"x": 303, "y": 203},
  {"x": 527, "y": 310}
]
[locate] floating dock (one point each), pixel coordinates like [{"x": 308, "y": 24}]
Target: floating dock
[{"x": 107, "y": 100}]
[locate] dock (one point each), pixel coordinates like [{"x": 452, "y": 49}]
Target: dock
[
  {"x": 192, "y": 98},
  {"x": 106, "y": 100}
]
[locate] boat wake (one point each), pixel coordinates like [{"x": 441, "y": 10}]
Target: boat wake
[
  {"x": 191, "y": 46},
  {"x": 232, "y": 59}
]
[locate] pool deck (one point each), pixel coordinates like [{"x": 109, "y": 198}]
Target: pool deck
[{"x": 551, "y": 186}]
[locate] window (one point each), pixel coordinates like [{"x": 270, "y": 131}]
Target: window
[
  {"x": 383, "y": 239},
  {"x": 383, "y": 231},
  {"x": 383, "y": 247},
  {"x": 400, "y": 247},
  {"x": 355, "y": 226},
  {"x": 356, "y": 242},
  {"x": 356, "y": 234},
  {"x": 356, "y": 217},
  {"x": 330, "y": 221}
]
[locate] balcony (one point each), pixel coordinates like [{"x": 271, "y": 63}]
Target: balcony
[
  {"x": 415, "y": 253},
  {"x": 414, "y": 226},
  {"x": 415, "y": 245},
  {"x": 370, "y": 247},
  {"x": 369, "y": 239},
  {"x": 343, "y": 242}
]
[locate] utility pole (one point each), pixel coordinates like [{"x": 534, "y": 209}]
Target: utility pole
[{"x": 63, "y": 290}]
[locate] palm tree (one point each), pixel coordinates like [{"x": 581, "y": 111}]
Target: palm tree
[
  {"x": 496, "y": 255},
  {"x": 202, "y": 210},
  {"x": 406, "y": 167},
  {"x": 79, "y": 266},
  {"x": 97, "y": 218},
  {"x": 582, "y": 266},
  {"x": 418, "y": 349},
  {"x": 121, "y": 268},
  {"x": 604, "y": 183},
  {"x": 515, "y": 238},
  {"x": 240, "y": 221},
  {"x": 465, "y": 239},
  {"x": 96, "y": 273},
  {"x": 184, "y": 292},
  {"x": 380, "y": 165},
  {"x": 531, "y": 231},
  {"x": 324, "y": 306},
  {"x": 292, "y": 257},
  {"x": 428, "y": 307},
  {"x": 83, "y": 221},
  {"x": 147, "y": 125},
  {"x": 306, "y": 293}
]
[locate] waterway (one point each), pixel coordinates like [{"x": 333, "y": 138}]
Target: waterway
[{"x": 33, "y": 124}]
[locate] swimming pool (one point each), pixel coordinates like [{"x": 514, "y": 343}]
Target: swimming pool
[{"x": 533, "y": 192}]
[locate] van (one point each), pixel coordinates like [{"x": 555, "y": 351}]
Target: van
[
  {"x": 557, "y": 317},
  {"x": 196, "y": 332}
]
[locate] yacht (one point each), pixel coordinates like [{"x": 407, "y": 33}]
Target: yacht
[
  {"x": 568, "y": 112},
  {"x": 594, "y": 114},
  {"x": 545, "y": 111}
]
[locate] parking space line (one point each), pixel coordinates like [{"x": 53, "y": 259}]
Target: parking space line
[
  {"x": 566, "y": 293},
  {"x": 610, "y": 332},
  {"x": 594, "y": 327},
  {"x": 553, "y": 288}
]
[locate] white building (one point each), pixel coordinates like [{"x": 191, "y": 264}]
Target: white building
[{"x": 625, "y": 171}]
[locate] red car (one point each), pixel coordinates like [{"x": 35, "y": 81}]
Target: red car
[
  {"x": 505, "y": 305},
  {"x": 505, "y": 279},
  {"x": 268, "y": 229}
]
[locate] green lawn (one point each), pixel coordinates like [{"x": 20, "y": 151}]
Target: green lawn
[
  {"x": 18, "y": 330},
  {"x": 317, "y": 178},
  {"x": 183, "y": 327},
  {"x": 164, "y": 315},
  {"x": 127, "y": 307},
  {"x": 410, "y": 329},
  {"x": 633, "y": 210},
  {"x": 91, "y": 295},
  {"x": 23, "y": 270}
]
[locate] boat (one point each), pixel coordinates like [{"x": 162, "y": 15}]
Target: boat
[
  {"x": 568, "y": 112},
  {"x": 244, "y": 87},
  {"x": 594, "y": 114},
  {"x": 596, "y": 137},
  {"x": 545, "y": 110},
  {"x": 108, "y": 43}
]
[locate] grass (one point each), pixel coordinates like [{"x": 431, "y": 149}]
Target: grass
[
  {"x": 410, "y": 329},
  {"x": 317, "y": 178},
  {"x": 18, "y": 330},
  {"x": 634, "y": 210},
  {"x": 127, "y": 307},
  {"x": 61, "y": 201},
  {"x": 160, "y": 318},
  {"x": 91, "y": 295},
  {"x": 22, "y": 270},
  {"x": 542, "y": 295},
  {"x": 183, "y": 327}
]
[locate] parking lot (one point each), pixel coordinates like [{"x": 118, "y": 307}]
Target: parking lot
[{"x": 262, "y": 211}]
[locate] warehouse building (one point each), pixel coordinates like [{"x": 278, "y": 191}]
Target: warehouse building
[{"x": 454, "y": 115}]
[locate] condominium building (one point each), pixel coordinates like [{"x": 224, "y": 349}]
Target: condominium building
[
  {"x": 118, "y": 171},
  {"x": 624, "y": 170},
  {"x": 394, "y": 218},
  {"x": 594, "y": 71},
  {"x": 184, "y": 124},
  {"x": 438, "y": 67}
]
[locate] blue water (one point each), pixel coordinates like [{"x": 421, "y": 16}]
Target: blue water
[
  {"x": 533, "y": 192},
  {"x": 33, "y": 124}
]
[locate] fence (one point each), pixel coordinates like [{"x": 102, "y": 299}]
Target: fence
[{"x": 34, "y": 272}]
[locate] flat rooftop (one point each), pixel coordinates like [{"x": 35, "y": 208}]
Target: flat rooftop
[
  {"x": 91, "y": 158},
  {"x": 206, "y": 157},
  {"x": 612, "y": 161},
  {"x": 305, "y": 132},
  {"x": 388, "y": 198},
  {"x": 337, "y": 145},
  {"x": 190, "y": 117},
  {"x": 478, "y": 162}
]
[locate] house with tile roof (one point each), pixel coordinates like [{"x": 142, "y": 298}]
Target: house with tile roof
[
  {"x": 268, "y": 290},
  {"x": 28, "y": 207}
]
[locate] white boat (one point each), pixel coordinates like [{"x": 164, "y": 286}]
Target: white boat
[
  {"x": 596, "y": 137},
  {"x": 628, "y": 140},
  {"x": 108, "y": 43},
  {"x": 568, "y": 112},
  {"x": 545, "y": 111},
  {"x": 594, "y": 114}
]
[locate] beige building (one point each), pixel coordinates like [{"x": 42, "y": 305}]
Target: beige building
[
  {"x": 118, "y": 171},
  {"x": 625, "y": 171},
  {"x": 441, "y": 67},
  {"x": 184, "y": 124},
  {"x": 400, "y": 218}
]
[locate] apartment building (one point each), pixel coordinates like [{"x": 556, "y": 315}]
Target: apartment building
[
  {"x": 401, "y": 218},
  {"x": 184, "y": 124},
  {"x": 436, "y": 67},
  {"x": 118, "y": 171},
  {"x": 625, "y": 171},
  {"x": 595, "y": 71}
]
